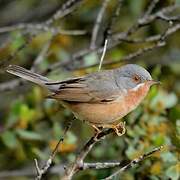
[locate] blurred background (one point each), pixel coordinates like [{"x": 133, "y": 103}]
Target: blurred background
[{"x": 61, "y": 47}]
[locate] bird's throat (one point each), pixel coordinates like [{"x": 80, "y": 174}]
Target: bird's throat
[{"x": 136, "y": 95}]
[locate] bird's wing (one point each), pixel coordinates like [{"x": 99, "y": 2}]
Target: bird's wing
[{"x": 96, "y": 87}]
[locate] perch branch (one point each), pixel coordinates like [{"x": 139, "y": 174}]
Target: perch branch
[{"x": 78, "y": 163}]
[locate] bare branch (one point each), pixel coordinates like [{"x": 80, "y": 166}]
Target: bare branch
[
  {"x": 134, "y": 162},
  {"x": 45, "y": 168},
  {"x": 66, "y": 8},
  {"x": 6, "y": 61},
  {"x": 97, "y": 24},
  {"x": 118, "y": 38},
  {"x": 41, "y": 55},
  {"x": 100, "y": 165},
  {"x": 40, "y": 27},
  {"x": 29, "y": 172},
  {"x": 152, "y": 5},
  {"x": 9, "y": 85},
  {"x": 148, "y": 19},
  {"x": 78, "y": 163},
  {"x": 130, "y": 56},
  {"x": 108, "y": 31}
]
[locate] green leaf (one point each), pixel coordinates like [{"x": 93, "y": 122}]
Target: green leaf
[
  {"x": 18, "y": 41},
  {"x": 130, "y": 152},
  {"x": 158, "y": 139},
  {"x": 91, "y": 59},
  {"x": 57, "y": 130},
  {"x": 9, "y": 139},
  {"x": 164, "y": 100},
  {"x": 71, "y": 138},
  {"x": 26, "y": 113},
  {"x": 116, "y": 54},
  {"x": 28, "y": 135},
  {"x": 173, "y": 172},
  {"x": 39, "y": 153},
  {"x": 168, "y": 157}
]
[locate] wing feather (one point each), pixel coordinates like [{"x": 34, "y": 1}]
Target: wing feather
[{"x": 96, "y": 87}]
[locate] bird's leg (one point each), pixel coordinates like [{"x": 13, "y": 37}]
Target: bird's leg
[{"x": 96, "y": 128}]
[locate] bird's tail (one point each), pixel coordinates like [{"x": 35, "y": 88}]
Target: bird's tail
[{"x": 28, "y": 75}]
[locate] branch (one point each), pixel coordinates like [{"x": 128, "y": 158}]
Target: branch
[
  {"x": 130, "y": 56},
  {"x": 97, "y": 24},
  {"x": 134, "y": 162},
  {"x": 29, "y": 172},
  {"x": 9, "y": 85},
  {"x": 108, "y": 31},
  {"x": 47, "y": 165},
  {"x": 78, "y": 163},
  {"x": 40, "y": 27},
  {"x": 66, "y": 8},
  {"x": 151, "y": 6},
  {"x": 115, "y": 39},
  {"x": 100, "y": 165}
]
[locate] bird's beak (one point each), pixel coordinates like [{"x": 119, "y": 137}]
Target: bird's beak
[{"x": 152, "y": 82}]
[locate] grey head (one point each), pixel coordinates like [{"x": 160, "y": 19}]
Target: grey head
[{"x": 131, "y": 75}]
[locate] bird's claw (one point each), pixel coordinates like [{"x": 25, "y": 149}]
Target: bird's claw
[{"x": 120, "y": 128}]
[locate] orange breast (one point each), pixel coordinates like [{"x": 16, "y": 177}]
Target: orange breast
[{"x": 109, "y": 113}]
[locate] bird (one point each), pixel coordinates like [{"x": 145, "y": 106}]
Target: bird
[{"x": 100, "y": 98}]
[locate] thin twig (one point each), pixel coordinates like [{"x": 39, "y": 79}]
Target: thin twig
[
  {"x": 41, "y": 55},
  {"x": 151, "y": 7},
  {"x": 115, "y": 39},
  {"x": 6, "y": 61},
  {"x": 97, "y": 24},
  {"x": 100, "y": 165},
  {"x": 128, "y": 57},
  {"x": 7, "y": 86},
  {"x": 103, "y": 54},
  {"x": 44, "y": 169},
  {"x": 133, "y": 163},
  {"x": 66, "y": 8},
  {"x": 108, "y": 31},
  {"x": 40, "y": 27}
]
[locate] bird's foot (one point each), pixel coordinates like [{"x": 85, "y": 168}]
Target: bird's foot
[{"x": 120, "y": 129}]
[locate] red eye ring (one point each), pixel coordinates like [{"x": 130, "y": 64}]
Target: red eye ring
[{"x": 136, "y": 78}]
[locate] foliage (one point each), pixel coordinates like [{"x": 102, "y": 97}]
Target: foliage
[{"x": 31, "y": 125}]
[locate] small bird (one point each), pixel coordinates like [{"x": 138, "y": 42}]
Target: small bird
[{"x": 99, "y": 98}]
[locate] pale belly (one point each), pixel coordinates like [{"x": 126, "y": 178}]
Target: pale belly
[{"x": 98, "y": 114}]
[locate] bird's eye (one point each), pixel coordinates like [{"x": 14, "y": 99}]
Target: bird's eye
[{"x": 136, "y": 78}]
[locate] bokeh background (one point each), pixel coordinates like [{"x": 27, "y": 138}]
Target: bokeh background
[{"x": 30, "y": 125}]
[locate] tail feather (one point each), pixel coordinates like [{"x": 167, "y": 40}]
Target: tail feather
[{"x": 28, "y": 75}]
